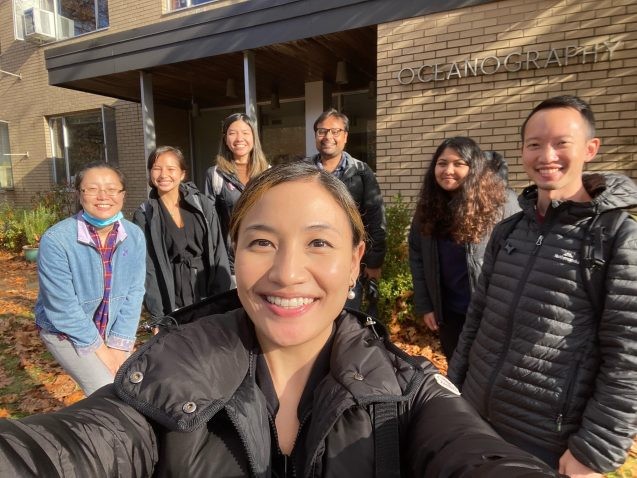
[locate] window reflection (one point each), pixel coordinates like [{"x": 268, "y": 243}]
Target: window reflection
[
  {"x": 44, "y": 21},
  {"x": 6, "y": 173},
  {"x": 177, "y": 4},
  {"x": 77, "y": 140}
]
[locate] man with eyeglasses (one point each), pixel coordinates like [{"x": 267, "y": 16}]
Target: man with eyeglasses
[{"x": 330, "y": 131}]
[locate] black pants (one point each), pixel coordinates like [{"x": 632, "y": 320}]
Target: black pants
[{"x": 449, "y": 331}]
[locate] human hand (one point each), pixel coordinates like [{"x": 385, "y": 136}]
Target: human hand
[
  {"x": 373, "y": 273},
  {"x": 571, "y": 466},
  {"x": 119, "y": 356},
  {"x": 430, "y": 321},
  {"x": 112, "y": 358}
]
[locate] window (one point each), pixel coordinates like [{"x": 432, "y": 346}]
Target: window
[
  {"x": 77, "y": 140},
  {"x": 49, "y": 20},
  {"x": 6, "y": 172},
  {"x": 178, "y": 4}
]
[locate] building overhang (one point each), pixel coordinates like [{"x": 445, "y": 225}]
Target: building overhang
[{"x": 294, "y": 41}]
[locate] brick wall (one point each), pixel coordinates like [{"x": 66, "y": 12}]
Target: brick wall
[
  {"x": 26, "y": 105},
  {"x": 413, "y": 118}
]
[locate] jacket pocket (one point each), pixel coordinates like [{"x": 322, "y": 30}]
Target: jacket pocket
[{"x": 565, "y": 398}]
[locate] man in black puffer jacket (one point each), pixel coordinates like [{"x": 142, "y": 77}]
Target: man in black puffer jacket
[{"x": 537, "y": 359}]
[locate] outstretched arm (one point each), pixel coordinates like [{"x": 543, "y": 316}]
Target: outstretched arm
[
  {"x": 447, "y": 438},
  {"x": 98, "y": 437}
]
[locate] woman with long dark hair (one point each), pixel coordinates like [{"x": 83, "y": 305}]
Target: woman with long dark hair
[
  {"x": 461, "y": 199},
  {"x": 240, "y": 159},
  {"x": 187, "y": 259}
]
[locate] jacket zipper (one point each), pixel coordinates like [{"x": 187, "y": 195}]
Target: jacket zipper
[
  {"x": 509, "y": 317},
  {"x": 244, "y": 442},
  {"x": 566, "y": 396},
  {"x": 278, "y": 448}
]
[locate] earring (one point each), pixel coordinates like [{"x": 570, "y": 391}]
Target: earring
[{"x": 351, "y": 295}]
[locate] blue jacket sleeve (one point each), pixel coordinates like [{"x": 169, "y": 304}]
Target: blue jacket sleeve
[{"x": 124, "y": 328}]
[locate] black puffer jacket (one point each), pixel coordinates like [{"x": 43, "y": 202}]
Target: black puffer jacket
[
  {"x": 160, "y": 284},
  {"x": 532, "y": 357},
  {"x": 190, "y": 406},
  {"x": 362, "y": 185},
  {"x": 425, "y": 264}
]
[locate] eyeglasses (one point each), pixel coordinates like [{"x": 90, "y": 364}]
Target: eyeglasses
[
  {"x": 92, "y": 192},
  {"x": 322, "y": 132}
]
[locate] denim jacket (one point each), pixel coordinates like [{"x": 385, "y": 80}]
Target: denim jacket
[{"x": 71, "y": 277}]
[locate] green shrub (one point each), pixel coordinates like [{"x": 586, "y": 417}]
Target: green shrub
[
  {"x": 60, "y": 200},
  {"x": 36, "y": 221},
  {"x": 395, "y": 285},
  {"x": 12, "y": 236}
]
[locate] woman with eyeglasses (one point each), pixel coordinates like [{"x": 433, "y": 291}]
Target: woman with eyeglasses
[
  {"x": 91, "y": 270},
  {"x": 187, "y": 259},
  {"x": 240, "y": 159}
]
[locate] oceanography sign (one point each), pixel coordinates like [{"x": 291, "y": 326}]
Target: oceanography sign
[{"x": 515, "y": 61}]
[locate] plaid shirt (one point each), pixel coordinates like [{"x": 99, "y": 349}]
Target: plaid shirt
[
  {"x": 340, "y": 168},
  {"x": 106, "y": 252}
]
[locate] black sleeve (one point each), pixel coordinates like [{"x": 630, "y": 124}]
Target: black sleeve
[
  {"x": 220, "y": 277},
  {"x": 447, "y": 438},
  {"x": 97, "y": 437},
  {"x": 207, "y": 188},
  {"x": 373, "y": 212},
  {"x": 152, "y": 296},
  {"x": 422, "y": 299}
]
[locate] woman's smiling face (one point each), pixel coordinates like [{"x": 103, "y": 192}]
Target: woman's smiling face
[
  {"x": 451, "y": 170},
  {"x": 294, "y": 263}
]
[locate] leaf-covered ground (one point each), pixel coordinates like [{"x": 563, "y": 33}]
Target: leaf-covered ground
[{"x": 31, "y": 382}]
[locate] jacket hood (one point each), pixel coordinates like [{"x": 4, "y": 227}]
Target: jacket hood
[
  {"x": 607, "y": 190},
  {"x": 174, "y": 378}
]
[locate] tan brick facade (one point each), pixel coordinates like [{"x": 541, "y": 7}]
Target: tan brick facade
[
  {"x": 413, "y": 118},
  {"x": 27, "y": 103}
]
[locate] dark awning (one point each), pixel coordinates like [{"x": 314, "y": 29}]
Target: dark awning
[{"x": 293, "y": 40}]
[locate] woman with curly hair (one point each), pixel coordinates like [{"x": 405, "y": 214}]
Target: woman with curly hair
[{"x": 461, "y": 199}]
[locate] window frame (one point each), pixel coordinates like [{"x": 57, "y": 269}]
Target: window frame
[
  {"x": 19, "y": 25},
  {"x": 6, "y": 156},
  {"x": 189, "y": 4},
  {"x": 109, "y": 148}
]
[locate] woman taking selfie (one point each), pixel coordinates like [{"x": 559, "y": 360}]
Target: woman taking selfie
[
  {"x": 282, "y": 383},
  {"x": 240, "y": 159},
  {"x": 187, "y": 259},
  {"x": 461, "y": 199},
  {"x": 91, "y": 277}
]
